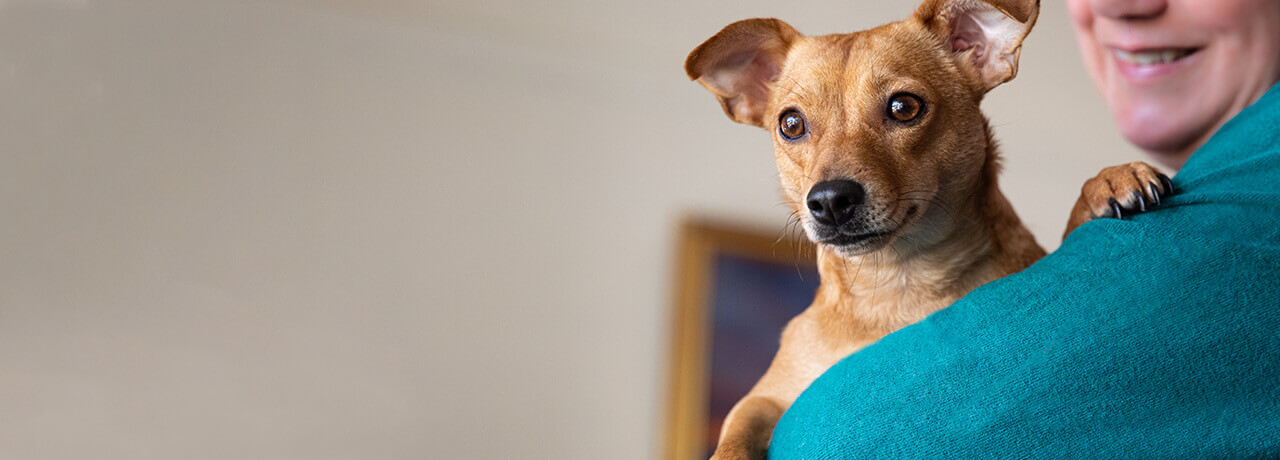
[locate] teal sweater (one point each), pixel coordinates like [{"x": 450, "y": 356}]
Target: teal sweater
[{"x": 1153, "y": 336}]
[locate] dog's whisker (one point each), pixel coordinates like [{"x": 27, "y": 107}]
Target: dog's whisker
[
  {"x": 934, "y": 199},
  {"x": 875, "y": 286},
  {"x": 907, "y": 240},
  {"x": 792, "y": 221},
  {"x": 898, "y": 224},
  {"x": 942, "y": 205}
]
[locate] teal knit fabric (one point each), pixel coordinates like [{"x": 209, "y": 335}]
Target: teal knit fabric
[{"x": 1153, "y": 336}]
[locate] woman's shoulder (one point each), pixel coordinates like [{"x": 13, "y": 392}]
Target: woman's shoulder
[
  {"x": 1244, "y": 150},
  {"x": 1227, "y": 192}
]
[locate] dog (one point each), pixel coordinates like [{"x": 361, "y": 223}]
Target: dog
[{"x": 890, "y": 168}]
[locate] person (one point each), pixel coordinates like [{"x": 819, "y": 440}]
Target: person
[
  {"x": 1153, "y": 336},
  {"x": 1227, "y": 55}
]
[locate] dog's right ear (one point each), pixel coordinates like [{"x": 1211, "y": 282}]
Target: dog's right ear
[{"x": 740, "y": 63}]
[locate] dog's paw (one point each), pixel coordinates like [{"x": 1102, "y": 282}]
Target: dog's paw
[
  {"x": 1119, "y": 191},
  {"x": 733, "y": 452},
  {"x": 734, "y": 456}
]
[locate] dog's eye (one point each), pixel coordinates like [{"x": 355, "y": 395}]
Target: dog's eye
[
  {"x": 905, "y": 107},
  {"x": 791, "y": 125}
]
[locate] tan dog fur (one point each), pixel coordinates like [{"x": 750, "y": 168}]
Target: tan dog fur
[{"x": 930, "y": 185}]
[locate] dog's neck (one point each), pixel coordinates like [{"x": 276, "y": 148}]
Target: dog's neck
[{"x": 909, "y": 279}]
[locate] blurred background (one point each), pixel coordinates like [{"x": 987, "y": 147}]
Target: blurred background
[{"x": 334, "y": 229}]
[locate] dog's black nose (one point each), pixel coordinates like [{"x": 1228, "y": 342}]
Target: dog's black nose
[{"x": 833, "y": 202}]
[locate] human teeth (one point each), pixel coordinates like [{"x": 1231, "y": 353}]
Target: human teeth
[{"x": 1151, "y": 57}]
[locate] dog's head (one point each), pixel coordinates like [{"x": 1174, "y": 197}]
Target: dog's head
[{"x": 871, "y": 128}]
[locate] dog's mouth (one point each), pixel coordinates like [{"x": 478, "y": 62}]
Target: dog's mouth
[
  {"x": 857, "y": 239},
  {"x": 862, "y": 240},
  {"x": 856, "y": 244}
]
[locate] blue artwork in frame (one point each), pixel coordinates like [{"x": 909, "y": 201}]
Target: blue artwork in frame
[{"x": 751, "y": 300}]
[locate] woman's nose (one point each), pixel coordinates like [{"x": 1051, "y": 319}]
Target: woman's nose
[{"x": 1129, "y": 10}]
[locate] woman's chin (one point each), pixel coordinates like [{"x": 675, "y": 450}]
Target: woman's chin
[{"x": 1158, "y": 130}]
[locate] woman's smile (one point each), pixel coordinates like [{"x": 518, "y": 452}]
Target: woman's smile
[{"x": 1173, "y": 71}]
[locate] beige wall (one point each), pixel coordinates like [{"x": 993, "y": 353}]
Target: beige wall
[{"x": 386, "y": 229}]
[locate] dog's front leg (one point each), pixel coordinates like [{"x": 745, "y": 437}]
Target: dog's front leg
[
  {"x": 802, "y": 356},
  {"x": 747, "y": 428}
]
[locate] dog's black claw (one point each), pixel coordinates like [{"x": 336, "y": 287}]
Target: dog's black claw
[
  {"x": 1115, "y": 208},
  {"x": 1142, "y": 204},
  {"x": 1155, "y": 194},
  {"x": 1167, "y": 183}
]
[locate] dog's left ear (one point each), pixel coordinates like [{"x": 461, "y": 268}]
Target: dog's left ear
[{"x": 985, "y": 36}]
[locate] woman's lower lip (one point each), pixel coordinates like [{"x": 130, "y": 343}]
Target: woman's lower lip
[{"x": 1137, "y": 73}]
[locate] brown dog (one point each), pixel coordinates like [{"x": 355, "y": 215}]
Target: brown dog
[{"x": 891, "y": 169}]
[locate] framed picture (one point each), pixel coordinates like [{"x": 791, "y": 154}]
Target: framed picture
[{"x": 736, "y": 288}]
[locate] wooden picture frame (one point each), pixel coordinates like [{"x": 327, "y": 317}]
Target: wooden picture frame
[{"x": 735, "y": 288}]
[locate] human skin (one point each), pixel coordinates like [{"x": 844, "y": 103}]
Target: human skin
[{"x": 1174, "y": 71}]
